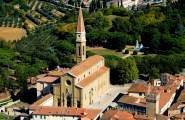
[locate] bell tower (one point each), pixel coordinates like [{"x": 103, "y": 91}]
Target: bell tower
[
  {"x": 80, "y": 39},
  {"x": 152, "y": 103}
]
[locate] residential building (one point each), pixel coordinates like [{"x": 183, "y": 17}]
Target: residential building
[
  {"x": 63, "y": 113},
  {"x": 44, "y": 84},
  {"x": 150, "y": 99},
  {"x": 178, "y": 107}
]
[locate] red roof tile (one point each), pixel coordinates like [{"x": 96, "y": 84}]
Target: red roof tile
[
  {"x": 59, "y": 72},
  {"x": 41, "y": 100},
  {"x": 138, "y": 88},
  {"x": 63, "y": 111},
  {"x": 47, "y": 79},
  {"x": 133, "y": 100},
  {"x": 85, "y": 65},
  {"x": 117, "y": 115}
]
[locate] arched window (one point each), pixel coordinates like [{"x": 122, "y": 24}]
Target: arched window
[
  {"x": 79, "y": 51},
  {"x": 83, "y": 50}
]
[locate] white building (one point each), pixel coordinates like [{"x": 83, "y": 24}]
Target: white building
[{"x": 64, "y": 113}]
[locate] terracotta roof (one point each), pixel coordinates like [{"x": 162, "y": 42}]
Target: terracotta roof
[
  {"x": 80, "y": 24},
  {"x": 93, "y": 77},
  {"x": 48, "y": 79},
  {"x": 180, "y": 101},
  {"x": 138, "y": 88},
  {"x": 5, "y": 95},
  {"x": 164, "y": 98},
  {"x": 85, "y": 65},
  {"x": 117, "y": 115},
  {"x": 63, "y": 111},
  {"x": 59, "y": 72},
  {"x": 42, "y": 100},
  {"x": 133, "y": 100}
]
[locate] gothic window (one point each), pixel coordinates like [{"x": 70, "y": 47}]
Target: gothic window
[
  {"x": 59, "y": 102},
  {"x": 83, "y": 50},
  {"x": 69, "y": 102},
  {"x": 78, "y": 103},
  {"x": 79, "y": 51}
]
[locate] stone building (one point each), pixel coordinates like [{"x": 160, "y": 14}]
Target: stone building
[{"x": 84, "y": 83}]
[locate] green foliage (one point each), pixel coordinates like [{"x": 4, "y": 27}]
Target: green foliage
[
  {"x": 134, "y": 52},
  {"x": 5, "y": 117},
  {"x": 121, "y": 24},
  {"x": 7, "y": 9},
  {"x": 90, "y": 53},
  {"x": 154, "y": 73},
  {"x": 120, "y": 11},
  {"x": 98, "y": 22},
  {"x": 126, "y": 51},
  {"x": 165, "y": 63},
  {"x": 127, "y": 71},
  {"x": 122, "y": 70}
]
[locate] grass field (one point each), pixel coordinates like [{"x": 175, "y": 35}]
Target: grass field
[
  {"x": 11, "y": 34},
  {"x": 105, "y": 51}
]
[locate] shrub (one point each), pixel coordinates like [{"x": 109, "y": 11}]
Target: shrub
[
  {"x": 135, "y": 52},
  {"x": 126, "y": 51}
]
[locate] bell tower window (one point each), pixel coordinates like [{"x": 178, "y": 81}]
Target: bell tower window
[
  {"x": 79, "y": 51},
  {"x": 83, "y": 50}
]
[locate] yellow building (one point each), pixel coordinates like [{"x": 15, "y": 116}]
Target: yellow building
[{"x": 84, "y": 83}]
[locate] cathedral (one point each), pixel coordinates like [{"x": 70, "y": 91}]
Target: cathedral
[{"x": 84, "y": 83}]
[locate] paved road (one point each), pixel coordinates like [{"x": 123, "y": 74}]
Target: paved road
[{"x": 106, "y": 99}]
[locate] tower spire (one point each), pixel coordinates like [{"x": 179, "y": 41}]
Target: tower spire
[
  {"x": 80, "y": 24},
  {"x": 80, "y": 39}
]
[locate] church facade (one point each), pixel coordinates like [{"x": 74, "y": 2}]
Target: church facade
[{"x": 84, "y": 83}]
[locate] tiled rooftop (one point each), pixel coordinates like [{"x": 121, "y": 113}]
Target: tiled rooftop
[
  {"x": 63, "y": 111},
  {"x": 59, "y": 72},
  {"x": 117, "y": 115},
  {"x": 138, "y": 88},
  {"x": 85, "y": 65},
  {"x": 42, "y": 100},
  {"x": 133, "y": 100},
  {"x": 48, "y": 79}
]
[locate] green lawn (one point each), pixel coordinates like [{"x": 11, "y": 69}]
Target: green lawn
[
  {"x": 105, "y": 51},
  {"x": 5, "y": 117}
]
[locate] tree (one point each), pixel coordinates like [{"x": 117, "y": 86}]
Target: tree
[
  {"x": 126, "y": 71},
  {"x": 22, "y": 76},
  {"x": 154, "y": 73},
  {"x": 121, "y": 24},
  {"x": 116, "y": 41},
  {"x": 99, "y": 22}
]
